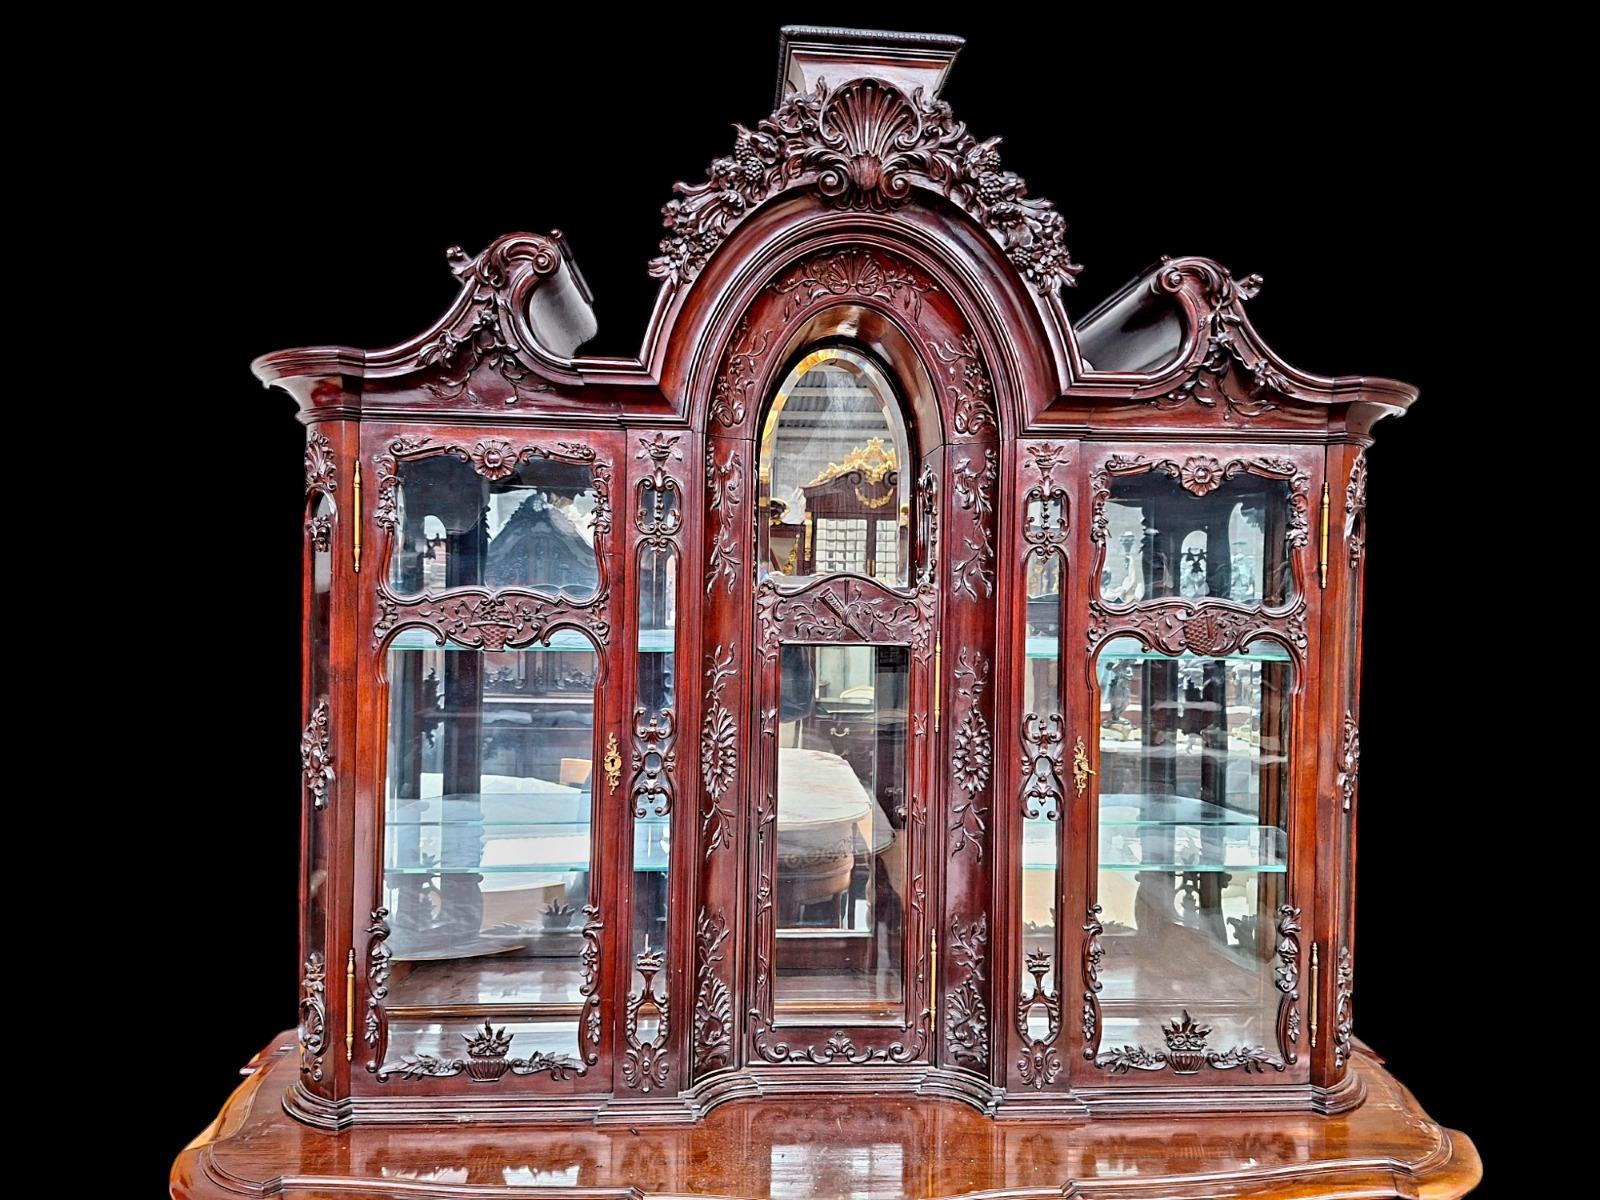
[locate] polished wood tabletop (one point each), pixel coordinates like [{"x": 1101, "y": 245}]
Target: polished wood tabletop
[{"x": 846, "y": 1146}]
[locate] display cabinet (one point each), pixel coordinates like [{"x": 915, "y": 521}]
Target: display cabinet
[{"x": 882, "y": 699}]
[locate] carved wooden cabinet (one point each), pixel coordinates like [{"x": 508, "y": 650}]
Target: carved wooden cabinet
[{"x": 879, "y": 688}]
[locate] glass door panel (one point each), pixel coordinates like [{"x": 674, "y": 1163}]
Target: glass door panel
[
  {"x": 1193, "y": 849},
  {"x": 488, "y": 837},
  {"x": 841, "y": 838}
]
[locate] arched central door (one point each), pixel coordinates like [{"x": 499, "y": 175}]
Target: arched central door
[{"x": 847, "y": 770}]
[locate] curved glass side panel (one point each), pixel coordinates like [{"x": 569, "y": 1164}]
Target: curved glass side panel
[
  {"x": 527, "y": 524},
  {"x": 487, "y": 840},
  {"x": 1195, "y": 536},
  {"x": 835, "y": 473},
  {"x": 1193, "y": 851}
]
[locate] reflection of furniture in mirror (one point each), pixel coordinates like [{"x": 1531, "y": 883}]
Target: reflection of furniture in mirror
[{"x": 887, "y": 694}]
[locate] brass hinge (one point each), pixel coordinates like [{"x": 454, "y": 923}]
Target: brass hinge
[
  {"x": 933, "y": 981},
  {"x": 1316, "y": 970},
  {"x": 355, "y": 536},
  {"x": 938, "y": 665},
  {"x": 350, "y": 1006},
  {"x": 1322, "y": 554}
]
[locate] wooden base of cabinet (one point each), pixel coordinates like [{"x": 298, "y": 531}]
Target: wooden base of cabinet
[{"x": 850, "y": 1145}]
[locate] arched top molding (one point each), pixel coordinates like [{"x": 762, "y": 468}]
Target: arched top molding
[{"x": 862, "y": 148}]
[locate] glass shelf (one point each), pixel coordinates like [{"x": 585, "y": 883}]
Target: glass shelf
[
  {"x": 657, "y": 641},
  {"x": 1043, "y": 648},
  {"x": 1262, "y": 649},
  {"x": 1183, "y": 835}
]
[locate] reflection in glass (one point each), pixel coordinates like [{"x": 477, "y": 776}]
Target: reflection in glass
[
  {"x": 835, "y": 474},
  {"x": 1042, "y": 740},
  {"x": 658, "y": 601},
  {"x": 531, "y": 528},
  {"x": 841, "y": 874},
  {"x": 1232, "y": 543},
  {"x": 487, "y": 830},
  {"x": 320, "y": 581},
  {"x": 1193, "y": 787}
]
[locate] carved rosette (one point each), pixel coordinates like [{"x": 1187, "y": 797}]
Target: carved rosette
[
  {"x": 478, "y": 353},
  {"x": 313, "y": 1016},
  {"x": 1203, "y": 627},
  {"x": 1355, "y": 508},
  {"x": 713, "y": 1005},
  {"x": 971, "y": 755},
  {"x": 1349, "y": 762},
  {"x": 316, "y": 756},
  {"x": 1343, "y": 1010},
  {"x": 865, "y": 144},
  {"x": 719, "y": 754},
  {"x": 966, "y": 1029},
  {"x": 375, "y": 1028},
  {"x": 1233, "y": 378}
]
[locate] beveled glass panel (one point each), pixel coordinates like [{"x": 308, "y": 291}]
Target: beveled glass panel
[
  {"x": 487, "y": 830},
  {"x": 1231, "y": 543},
  {"x": 840, "y": 889},
  {"x": 1193, "y": 792},
  {"x": 658, "y": 602},
  {"x": 835, "y": 472},
  {"x": 532, "y": 527},
  {"x": 318, "y": 655}
]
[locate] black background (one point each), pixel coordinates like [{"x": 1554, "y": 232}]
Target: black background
[{"x": 311, "y": 202}]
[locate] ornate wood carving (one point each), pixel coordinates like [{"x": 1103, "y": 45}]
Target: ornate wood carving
[
  {"x": 734, "y": 396},
  {"x": 589, "y": 985},
  {"x": 856, "y": 273},
  {"x": 1355, "y": 508},
  {"x": 321, "y": 480},
  {"x": 1201, "y": 474},
  {"x": 1094, "y": 954},
  {"x": 316, "y": 755},
  {"x": 1287, "y": 978},
  {"x": 843, "y": 609},
  {"x": 719, "y": 754},
  {"x": 480, "y": 619},
  {"x": 486, "y": 1061},
  {"x": 1187, "y": 1054},
  {"x": 975, "y": 494},
  {"x": 1349, "y": 761},
  {"x": 724, "y": 495},
  {"x": 1046, "y": 504},
  {"x": 971, "y": 755},
  {"x": 482, "y": 329},
  {"x": 1203, "y": 627},
  {"x": 1214, "y": 380},
  {"x": 313, "y": 1015},
  {"x": 1043, "y": 792},
  {"x": 1343, "y": 1010},
  {"x": 970, "y": 395},
  {"x": 1040, "y": 1063},
  {"x": 646, "y": 1064},
  {"x": 713, "y": 1005},
  {"x": 928, "y": 538},
  {"x": 655, "y": 762},
  {"x": 864, "y": 144},
  {"x": 376, "y": 1025},
  {"x": 658, "y": 515},
  {"x": 966, "y": 1021}
]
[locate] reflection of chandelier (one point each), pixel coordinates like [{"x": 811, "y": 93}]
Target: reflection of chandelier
[{"x": 873, "y": 461}]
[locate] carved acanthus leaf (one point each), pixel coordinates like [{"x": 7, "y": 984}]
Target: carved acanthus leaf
[
  {"x": 1212, "y": 381},
  {"x": 1210, "y": 627}
]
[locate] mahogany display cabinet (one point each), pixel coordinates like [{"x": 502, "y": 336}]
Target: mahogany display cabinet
[{"x": 884, "y": 739}]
